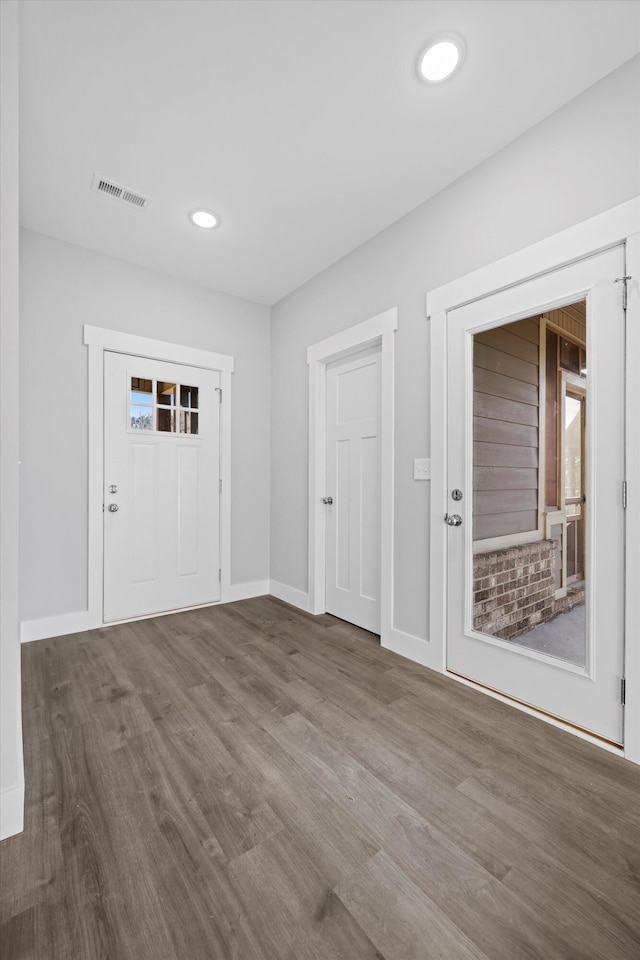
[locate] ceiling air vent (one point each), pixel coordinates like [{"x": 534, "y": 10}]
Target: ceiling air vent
[{"x": 117, "y": 192}]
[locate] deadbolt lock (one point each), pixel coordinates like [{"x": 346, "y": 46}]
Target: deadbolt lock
[{"x": 456, "y": 494}]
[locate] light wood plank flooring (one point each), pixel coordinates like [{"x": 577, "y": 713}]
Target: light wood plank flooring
[{"x": 249, "y": 782}]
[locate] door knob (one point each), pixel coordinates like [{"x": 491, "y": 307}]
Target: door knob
[
  {"x": 328, "y": 500},
  {"x": 454, "y": 519},
  {"x": 113, "y": 508}
]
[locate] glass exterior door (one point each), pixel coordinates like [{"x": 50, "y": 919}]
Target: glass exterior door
[{"x": 536, "y": 451}]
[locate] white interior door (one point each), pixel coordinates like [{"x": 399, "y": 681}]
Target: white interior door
[
  {"x": 353, "y": 484},
  {"x": 514, "y": 445},
  {"x": 161, "y": 486}
]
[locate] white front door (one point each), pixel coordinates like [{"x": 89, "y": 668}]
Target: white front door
[
  {"x": 535, "y": 492},
  {"x": 353, "y": 484},
  {"x": 161, "y": 486}
]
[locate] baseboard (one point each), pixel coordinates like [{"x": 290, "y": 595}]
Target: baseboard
[
  {"x": 297, "y": 598},
  {"x": 245, "y": 591},
  {"x": 11, "y": 811},
  {"x": 57, "y": 626},
  {"x": 412, "y": 648},
  {"x": 82, "y": 620}
]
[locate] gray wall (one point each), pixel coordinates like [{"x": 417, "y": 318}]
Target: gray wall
[
  {"x": 575, "y": 164},
  {"x": 11, "y": 773},
  {"x": 62, "y": 288}
]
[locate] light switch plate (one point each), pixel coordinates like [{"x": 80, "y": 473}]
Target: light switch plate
[{"x": 422, "y": 469}]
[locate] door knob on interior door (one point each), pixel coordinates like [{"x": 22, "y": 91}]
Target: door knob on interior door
[
  {"x": 113, "y": 508},
  {"x": 328, "y": 500},
  {"x": 453, "y": 519}
]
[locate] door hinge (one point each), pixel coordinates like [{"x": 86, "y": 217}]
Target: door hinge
[
  {"x": 219, "y": 576},
  {"x": 623, "y": 281},
  {"x": 219, "y": 392},
  {"x": 624, "y": 494},
  {"x": 623, "y": 690}
]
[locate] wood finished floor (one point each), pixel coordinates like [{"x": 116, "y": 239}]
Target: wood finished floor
[{"x": 253, "y": 783}]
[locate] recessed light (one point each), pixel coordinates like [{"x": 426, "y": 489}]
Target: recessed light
[
  {"x": 205, "y": 219},
  {"x": 441, "y": 58}
]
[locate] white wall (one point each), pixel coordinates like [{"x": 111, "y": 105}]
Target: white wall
[
  {"x": 580, "y": 161},
  {"x": 11, "y": 770},
  {"x": 62, "y": 288}
]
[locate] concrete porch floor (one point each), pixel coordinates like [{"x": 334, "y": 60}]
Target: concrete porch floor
[{"x": 562, "y": 637}]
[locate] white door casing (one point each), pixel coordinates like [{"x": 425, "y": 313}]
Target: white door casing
[
  {"x": 588, "y": 696},
  {"x": 162, "y": 543},
  {"x": 353, "y": 483},
  {"x": 378, "y": 330}
]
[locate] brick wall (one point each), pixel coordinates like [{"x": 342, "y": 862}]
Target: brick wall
[{"x": 514, "y": 588}]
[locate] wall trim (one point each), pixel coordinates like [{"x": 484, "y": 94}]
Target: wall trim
[
  {"x": 12, "y": 810},
  {"x": 409, "y": 646},
  {"x": 58, "y": 626},
  {"x": 245, "y": 591},
  {"x": 621, "y": 224},
  {"x": 137, "y": 346},
  {"x": 99, "y": 339},
  {"x": 379, "y": 329},
  {"x": 297, "y": 598},
  {"x": 581, "y": 240},
  {"x": 81, "y": 621}
]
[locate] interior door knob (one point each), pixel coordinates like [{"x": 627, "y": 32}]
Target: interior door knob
[
  {"x": 113, "y": 508},
  {"x": 328, "y": 500},
  {"x": 453, "y": 519}
]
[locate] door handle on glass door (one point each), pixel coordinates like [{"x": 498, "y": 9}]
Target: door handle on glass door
[{"x": 453, "y": 519}]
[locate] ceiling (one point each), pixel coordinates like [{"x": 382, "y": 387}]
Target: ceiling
[{"x": 301, "y": 122}]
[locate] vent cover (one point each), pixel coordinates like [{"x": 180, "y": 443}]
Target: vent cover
[{"x": 117, "y": 192}]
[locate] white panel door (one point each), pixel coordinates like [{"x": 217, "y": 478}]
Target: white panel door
[
  {"x": 571, "y": 665},
  {"x": 161, "y": 486},
  {"x": 353, "y": 483}
]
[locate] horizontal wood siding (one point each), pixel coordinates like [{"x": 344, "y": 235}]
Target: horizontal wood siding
[{"x": 505, "y": 430}]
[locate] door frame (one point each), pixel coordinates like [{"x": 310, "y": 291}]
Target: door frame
[
  {"x": 377, "y": 330},
  {"x": 98, "y": 340},
  {"x": 621, "y": 224}
]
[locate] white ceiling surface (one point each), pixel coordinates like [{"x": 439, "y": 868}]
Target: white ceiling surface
[{"x": 301, "y": 123}]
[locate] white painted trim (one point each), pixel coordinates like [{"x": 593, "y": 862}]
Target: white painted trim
[
  {"x": 81, "y": 621},
  {"x": 621, "y": 224},
  {"x": 583, "y": 239},
  {"x": 632, "y": 595},
  {"x": 408, "y": 646},
  {"x": 246, "y": 591},
  {"x": 226, "y": 587},
  {"x": 532, "y": 712},
  {"x": 380, "y": 329},
  {"x": 130, "y": 343},
  {"x": 297, "y": 598},
  {"x": 58, "y": 626},
  {"x": 12, "y": 810},
  {"x": 438, "y": 552},
  {"x": 99, "y": 339},
  {"x": 353, "y": 338}
]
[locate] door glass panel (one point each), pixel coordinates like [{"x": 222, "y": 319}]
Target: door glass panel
[
  {"x": 141, "y": 404},
  {"x": 166, "y": 420},
  {"x": 166, "y": 393},
  {"x": 188, "y": 422},
  {"x": 188, "y": 397},
  {"x": 528, "y": 484}
]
